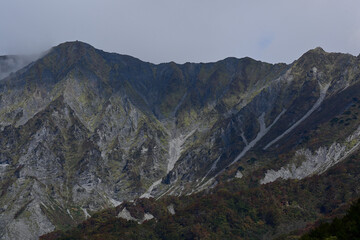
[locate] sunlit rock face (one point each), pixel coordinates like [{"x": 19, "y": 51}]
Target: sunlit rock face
[{"x": 83, "y": 130}]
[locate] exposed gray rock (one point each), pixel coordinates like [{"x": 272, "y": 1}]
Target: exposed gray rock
[
  {"x": 239, "y": 174},
  {"x": 315, "y": 163},
  {"x": 171, "y": 209},
  {"x": 125, "y": 214}
]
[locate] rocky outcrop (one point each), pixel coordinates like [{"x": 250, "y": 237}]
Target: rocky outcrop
[{"x": 315, "y": 163}]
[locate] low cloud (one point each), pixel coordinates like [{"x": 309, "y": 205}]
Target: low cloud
[{"x": 12, "y": 63}]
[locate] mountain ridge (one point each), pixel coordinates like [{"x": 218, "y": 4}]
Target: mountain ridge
[{"x": 114, "y": 128}]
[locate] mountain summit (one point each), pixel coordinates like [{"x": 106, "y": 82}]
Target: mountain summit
[{"x": 83, "y": 130}]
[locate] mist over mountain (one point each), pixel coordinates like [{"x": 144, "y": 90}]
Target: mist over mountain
[
  {"x": 12, "y": 63},
  {"x": 236, "y": 148}
]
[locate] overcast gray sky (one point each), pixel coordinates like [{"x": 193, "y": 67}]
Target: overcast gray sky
[{"x": 184, "y": 30}]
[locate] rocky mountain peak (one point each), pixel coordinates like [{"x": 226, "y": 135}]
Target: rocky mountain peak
[
  {"x": 73, "y": 47},
  {"x": 313, "y": 56},
  {"x": 318, "y": 50}
]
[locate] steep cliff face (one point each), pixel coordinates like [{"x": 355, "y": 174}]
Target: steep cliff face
[{"x": 83, "y": 130}]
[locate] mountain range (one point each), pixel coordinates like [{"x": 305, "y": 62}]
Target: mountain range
[{"x": 237, "y": 149}]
